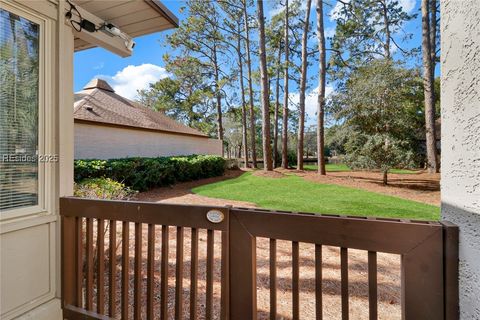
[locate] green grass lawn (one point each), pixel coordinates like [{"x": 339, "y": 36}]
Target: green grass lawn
[
  {"x": 293, "y": 193},
  {"x": 331, "y": 167}
]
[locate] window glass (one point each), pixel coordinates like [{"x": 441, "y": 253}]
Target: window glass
[{"x": 19, "y": 86}]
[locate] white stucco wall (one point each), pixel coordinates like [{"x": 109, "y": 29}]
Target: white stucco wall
[
  {"x": 103, "y": 142},
  {"x": 461, "y": 140}
]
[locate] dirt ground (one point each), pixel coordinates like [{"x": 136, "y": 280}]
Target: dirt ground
[
  {"x": 420, "y": 187},
  {"x": 388, "y": 278}
]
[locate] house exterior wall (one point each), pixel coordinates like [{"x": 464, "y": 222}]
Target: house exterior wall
[
  {"x": 30, "y": 241},
  {"x": 460, "y": 64},
  {"x": 94, "y": 141}
]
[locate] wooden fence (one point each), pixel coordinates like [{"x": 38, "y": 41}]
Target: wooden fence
[{"x": 99, "y": 283}]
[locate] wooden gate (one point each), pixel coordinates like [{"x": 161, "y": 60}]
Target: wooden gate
[{"x": 98, "y": 282}]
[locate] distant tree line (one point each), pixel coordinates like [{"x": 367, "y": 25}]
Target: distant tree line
[{"x": 233, "y": 71}]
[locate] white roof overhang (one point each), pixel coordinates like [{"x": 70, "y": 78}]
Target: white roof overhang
[{"x": 133, "y": 17}]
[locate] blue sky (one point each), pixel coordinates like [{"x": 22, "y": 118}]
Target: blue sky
[{"x": 145, "y": 66}]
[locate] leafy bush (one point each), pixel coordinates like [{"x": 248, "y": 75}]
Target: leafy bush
[
  {"x": 102, "y": 188},
  {"x": 146, "y": 173}
]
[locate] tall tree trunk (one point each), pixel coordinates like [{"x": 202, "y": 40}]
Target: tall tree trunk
[
  {"x": 285, "y": 95},
  {"x": 277, "y": 108},
  {"x": 433, "y": 56},
  {"x": 321, "y": 89},
  {"x": 250, "y": 87},
  {"x": 218, "y": 96},
  {"x": 385, "y": 178},
  {"x": 244, "y": 105},
  {"x": 428, "y": 90},
  {"x": 267, "y": 151},
  {"x": 433, "y": 35},
  {"x": 386, "y": 23},
  {"x": 303, "y": 85}
]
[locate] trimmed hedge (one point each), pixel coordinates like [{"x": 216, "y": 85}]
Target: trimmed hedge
[{"x": 145, "y": 173}]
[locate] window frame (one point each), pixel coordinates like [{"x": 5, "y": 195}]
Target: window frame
[{"x": 45, "y": 110}]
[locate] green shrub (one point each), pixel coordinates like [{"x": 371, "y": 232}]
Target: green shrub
[
  {"x": 146, "y": 173},
  {"x": 102, "y": 188}
]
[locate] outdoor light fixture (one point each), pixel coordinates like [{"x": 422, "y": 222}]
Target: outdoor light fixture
[
  {"x": 107, "y": 28},
  {"x": 112, "y": 30}
]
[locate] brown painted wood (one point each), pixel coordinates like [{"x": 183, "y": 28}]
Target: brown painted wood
[
  {"x": 450, "y": 260},
  {"x": 194, "y": 275},
  {"x": 144, "y": 212},
  {"x": 164, "y": 274},
  {"x": 179, "y": 275},
  {"x": 79, "y": 262},
  {"x": 273, "y": 279},
  {"x": 89, "y": 271},
  {"x": 150, "y": 271},
  {"x": 372, "y": 285},
  {"x": 137, "y": 292},
  {"x": 422, "y": 280},
  {"x": 100, "y": 266},
  {"x": 344, "y": 282},
  {"x": 243, "y": 268},
  {"x": 75, "y": 313},
  {"x": 209, "y": 289},
  {"x": 112, "y": 269},
  {"x": 429, "y": 256},
  {"x": 225, "y": 293},
  {"x": 318, "y": 282},
  {"x": 295, "y": 281},
  {"x": 68, "y": 247},
  {"x": 355, "y": 233},
  {"x": 125, "y": 268}
]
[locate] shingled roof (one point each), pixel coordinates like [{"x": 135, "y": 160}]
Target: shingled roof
[{"x": 98, "y": 102}]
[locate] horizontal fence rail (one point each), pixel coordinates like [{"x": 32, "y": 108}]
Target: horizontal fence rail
[{"x": 137, "y": 260}]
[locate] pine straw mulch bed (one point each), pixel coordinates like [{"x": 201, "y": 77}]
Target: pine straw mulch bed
[{"x": 389, "y": 292}]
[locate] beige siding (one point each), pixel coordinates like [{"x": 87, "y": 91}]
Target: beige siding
[
  {"x": 103, "y": 142},
  {"x": 29, "y": 239}
]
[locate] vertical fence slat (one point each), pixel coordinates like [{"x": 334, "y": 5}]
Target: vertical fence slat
[
  {"x": 243, "y": 268},
  {"x": 89, "y": 257},
  {"x": 101, "y": 266},
  {"x": 318, "y": 282},
  {"x": 125, "y": 268},
  {"x": 295, "y": 281},
  {"x": 137, "y": 292},
  {"x": 179, "y": 275},
  {"x": 273, "y": 279},
  {"x": 210, "y": 259},
  {"x": 450, "y": 260},
  {"x": 344, "y": 281},
  {"x": 79, "y": 262},
  {"x": 372, "y": 285},
  {"x": 422, "y": 280},
  {"x": 112, "y": 269},
  {"x": 150, "y": 270},
  {"x": 69, "y": 256},
  {"x": 225, "y": 281},
  {"x": 194, "y": 275},
  {"x": 164, "y": 275}
]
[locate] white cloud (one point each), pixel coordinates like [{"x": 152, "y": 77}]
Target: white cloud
[
  {"x": 330, "y": 32},
  {"x": 408, "y": 5},
  {"x": 127, "y": 81},
  {"x": 311, "y": 99}
]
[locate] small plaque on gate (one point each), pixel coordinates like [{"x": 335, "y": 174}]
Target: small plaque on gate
[{"x": 215, "y": 216}]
